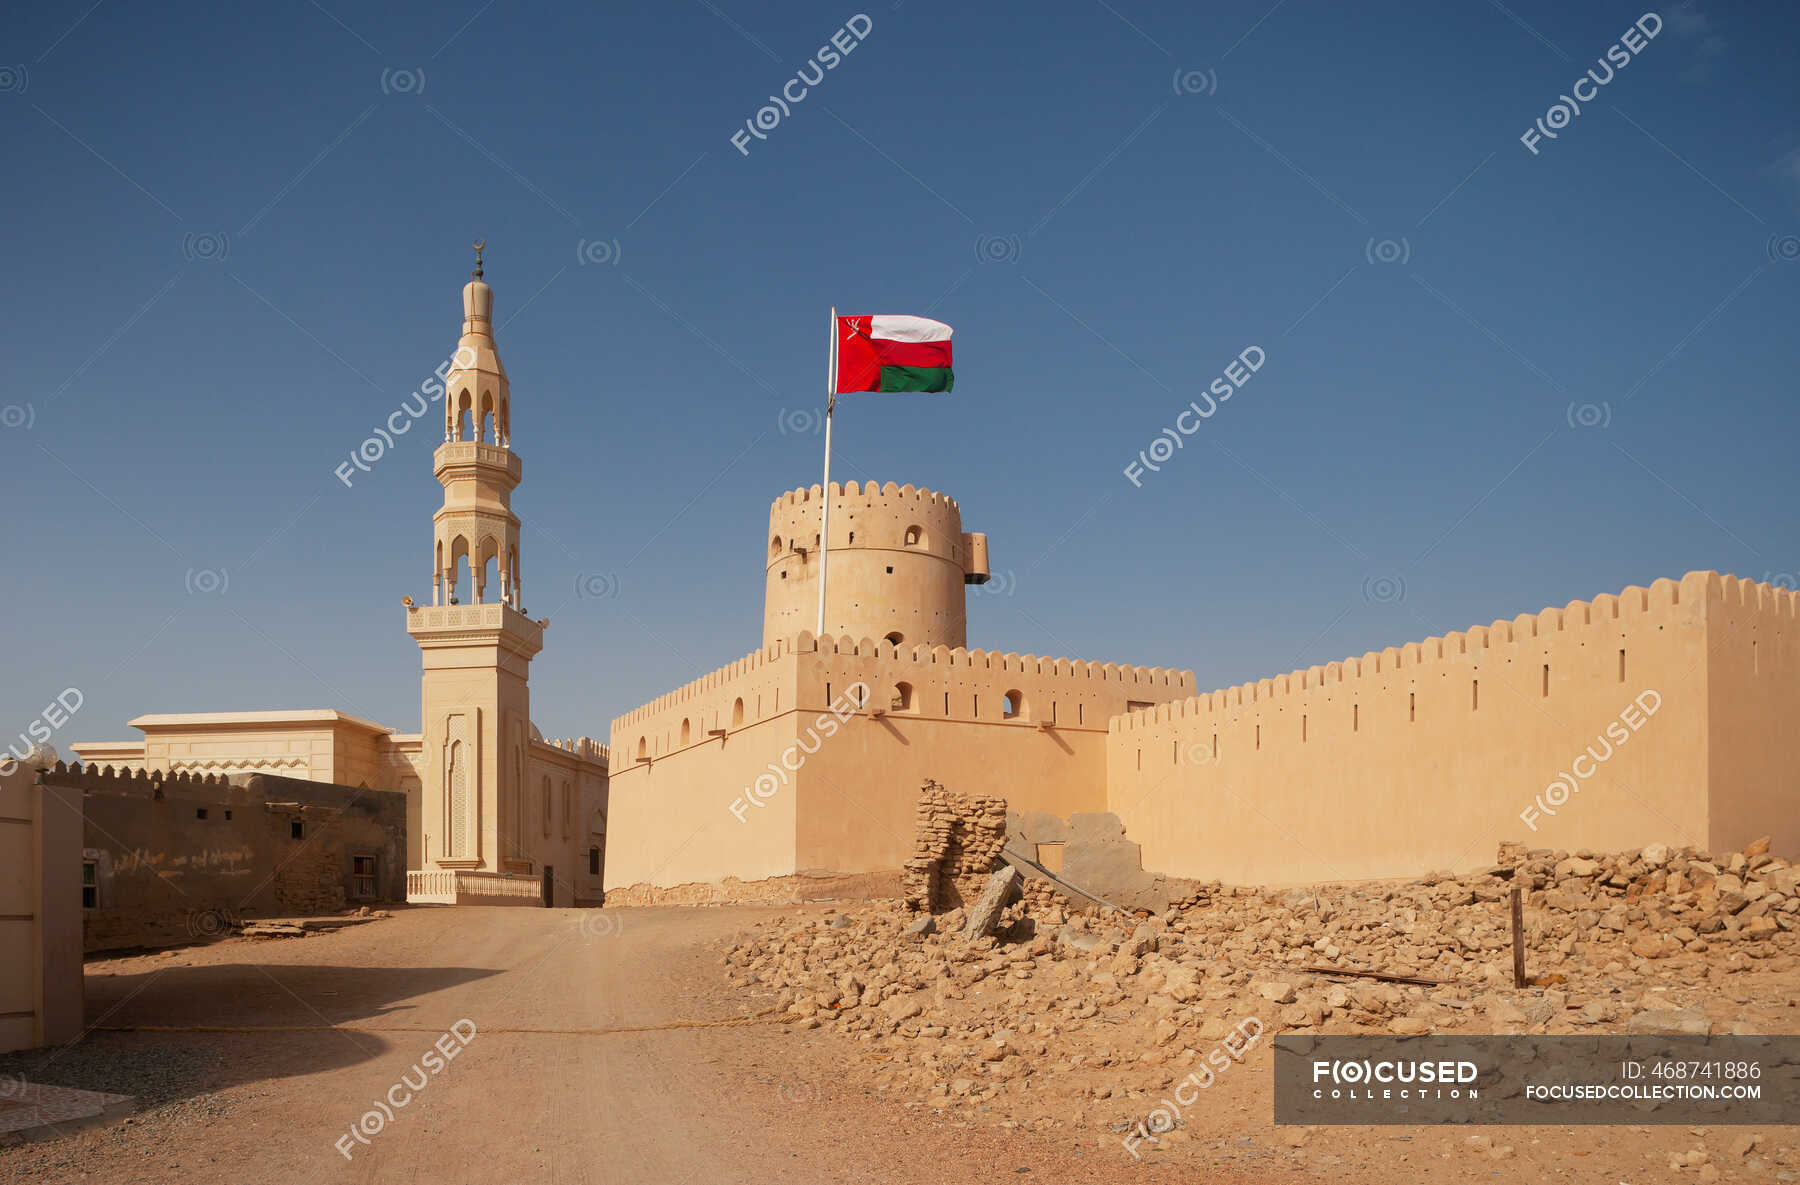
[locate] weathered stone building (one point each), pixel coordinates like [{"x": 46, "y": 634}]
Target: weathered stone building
[{"x": 175, "y": 857}]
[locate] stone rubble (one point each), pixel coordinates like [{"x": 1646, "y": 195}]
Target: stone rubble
[{"x": 1065, "y": 1015}]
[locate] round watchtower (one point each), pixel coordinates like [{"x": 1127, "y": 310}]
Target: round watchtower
[{"x": 899, "y": 562}]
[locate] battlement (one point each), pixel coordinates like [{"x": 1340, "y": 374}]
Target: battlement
[
  {"x": 868, "y": 491},
  {"x": 139, "y": 781},
  {"x": 711, "y": 681},
  {"x": 1635, "y": 609},
  {"x": 585, "y": 748},
  {"x": 995, "y": 661}
]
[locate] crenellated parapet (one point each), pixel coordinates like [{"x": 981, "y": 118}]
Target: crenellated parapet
[
  {"x": 1553, "y": 637},
  {"x": 136, "y": 781},
  {"x": 995, "y": 662}
]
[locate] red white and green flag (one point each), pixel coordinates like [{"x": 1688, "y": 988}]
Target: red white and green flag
[{"x": 885, "y": 352}]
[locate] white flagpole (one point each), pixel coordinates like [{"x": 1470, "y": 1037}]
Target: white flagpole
[{"x": 825, "y": 507}]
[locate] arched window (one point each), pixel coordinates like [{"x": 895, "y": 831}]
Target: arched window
[
  {"x": 686, "y": 729},
  {"x": 465, "y": 416},
  {"x": 1013, "y": 706},
  {"x": 915, "y": 536},
  {"x": 894, "y": 639},
  {"x": 774, "y": 546},
  {"x": 902, "y": 700},
  {"x": 737, "y": 712}
]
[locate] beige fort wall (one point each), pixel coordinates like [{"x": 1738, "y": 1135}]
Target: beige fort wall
[
  {"x": 674, "y": 778},
  {"x": 1753, "y": 689},
  {"x": 940, "y": 712},
  {"x": 1425, "y": 756},
  {"x": 847, "y": 809},
  {"x": 899, "y": 561}
]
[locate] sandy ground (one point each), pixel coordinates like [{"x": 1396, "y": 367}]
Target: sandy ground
[{"x": 582, "y": 1101}]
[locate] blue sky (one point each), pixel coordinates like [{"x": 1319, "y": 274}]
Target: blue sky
[{"x": 1495, "y": 379}]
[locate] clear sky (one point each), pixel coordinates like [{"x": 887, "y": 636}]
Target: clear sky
[{"x": 1497, "y": 376}]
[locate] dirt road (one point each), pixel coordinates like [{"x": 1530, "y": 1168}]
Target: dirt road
[{"x": 577, "y": 1102}]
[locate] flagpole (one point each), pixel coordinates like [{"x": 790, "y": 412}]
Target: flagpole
[{"x": 825, "y": 507}]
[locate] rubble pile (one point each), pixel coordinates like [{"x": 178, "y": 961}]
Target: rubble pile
[
  {"x": 957, "y": 843},
  {"x": 1094, "y": 1004}
]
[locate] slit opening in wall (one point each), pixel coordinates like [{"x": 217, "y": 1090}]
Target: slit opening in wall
[
  {"x": 1474, "y": 694},
  {"x": 1355, "y": 717},
  {"x": 1303, "y": 727},
  {"x": 1259, "y": 738},
  {"x": 1546, "y": 691},
  {"x": 1622, "y": 665},
  {"x": 1412, "y": 707}
]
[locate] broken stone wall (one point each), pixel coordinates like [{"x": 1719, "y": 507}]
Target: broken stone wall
[{"x": 957, "y": 843}]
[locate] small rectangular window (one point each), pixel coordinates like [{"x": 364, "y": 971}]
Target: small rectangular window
[
  {"x": 199, "y": 812},
  {"x": 90, "y": 884},
  {"x": 296, "y": 830},
  {"x": 593, "y": 861}
]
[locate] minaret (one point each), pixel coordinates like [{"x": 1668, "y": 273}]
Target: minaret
[{"x": 476, "y": 641}]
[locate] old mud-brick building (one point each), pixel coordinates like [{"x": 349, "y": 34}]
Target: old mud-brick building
[{"x": 172, "y": 858}]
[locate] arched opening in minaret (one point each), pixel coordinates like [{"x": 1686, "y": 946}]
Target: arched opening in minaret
[
  {"x": 463, "y": 423},
  {"x": 490, "y": 424},
  {"x": 487, "y": 580},
  {"x": 459, "y": 562},
  {"x": 512, "y": 568},
  {"x": 505, "y": 421}
]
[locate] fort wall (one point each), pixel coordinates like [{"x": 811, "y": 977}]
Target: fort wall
[
  {"x": 678, "y": 764},
  {"x": 838, "y": 798},
  {"x": 1589, "y": 726},
  {"x": 1753, "y": 685},
  {"x": 1028, "y": 728}
]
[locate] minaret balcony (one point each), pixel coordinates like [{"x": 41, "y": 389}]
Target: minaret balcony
[
  {"x": 487, "y": 622},
  {"x": 474, "y": 456}
]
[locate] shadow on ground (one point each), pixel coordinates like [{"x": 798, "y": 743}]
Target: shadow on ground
[{"x": 203, "y": 1004}]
